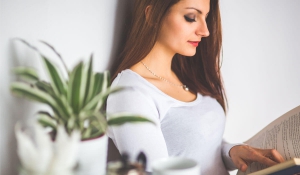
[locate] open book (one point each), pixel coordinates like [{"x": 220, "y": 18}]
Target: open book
[{"x": 283, "y": 134}]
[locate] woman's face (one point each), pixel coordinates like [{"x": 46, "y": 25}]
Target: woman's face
[{"x": 184, "y": 26}]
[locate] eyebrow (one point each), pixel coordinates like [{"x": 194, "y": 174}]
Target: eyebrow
[{"x": 199, "y": 11}]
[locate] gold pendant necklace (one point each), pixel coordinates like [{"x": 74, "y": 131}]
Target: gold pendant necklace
[{"x": 165, "y": 80}]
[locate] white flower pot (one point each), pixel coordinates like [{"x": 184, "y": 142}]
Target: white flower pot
[{"x": 92, "y": 156}]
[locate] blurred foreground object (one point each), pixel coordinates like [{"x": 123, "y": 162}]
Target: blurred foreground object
[
  {"x": 77, "y": 103},
  {"x": 43, "y": 156},
  {"x": 124, "y": 167}
]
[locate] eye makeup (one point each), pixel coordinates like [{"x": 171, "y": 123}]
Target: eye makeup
[{"x": 188, "y": 18}]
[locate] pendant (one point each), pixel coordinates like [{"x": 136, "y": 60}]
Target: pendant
[{"x": 185, "y": 88}]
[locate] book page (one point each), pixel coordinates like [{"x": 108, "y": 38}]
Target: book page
[{"x": 283, "y": 134}]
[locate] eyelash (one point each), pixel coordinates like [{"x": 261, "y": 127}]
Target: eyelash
[{"x": 188, "y": 19}]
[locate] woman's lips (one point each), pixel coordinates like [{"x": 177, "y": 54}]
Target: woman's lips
[{"x": 194, "y": 43}]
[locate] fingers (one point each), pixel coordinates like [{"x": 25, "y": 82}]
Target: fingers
[
  {"x": 239, "y": 155},
  {"x": 241, "y": 164},
  {"x": 265, "y": 160},
  {"x": 268, "y": 157},
  {"x": 276, "y": 156},
  {"x": 273, "y": 155}
]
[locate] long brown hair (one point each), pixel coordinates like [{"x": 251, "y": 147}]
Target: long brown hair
[{"x": 201, "y": 72}]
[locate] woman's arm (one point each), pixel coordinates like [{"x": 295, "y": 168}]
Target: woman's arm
[
  {"x": 226, "y": 147},
  {"x": 135, "y": 137}
]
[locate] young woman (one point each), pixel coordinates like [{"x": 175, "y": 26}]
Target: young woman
[{"x": 170, "y": 66}]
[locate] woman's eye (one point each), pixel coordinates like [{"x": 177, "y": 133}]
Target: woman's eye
[{"x": 189, "y": 19}]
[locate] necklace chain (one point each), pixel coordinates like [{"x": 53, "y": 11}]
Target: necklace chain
[{"x": 165, "y": 80}]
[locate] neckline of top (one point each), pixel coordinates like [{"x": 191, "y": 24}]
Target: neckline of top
[{"x": 198, "y": 96}]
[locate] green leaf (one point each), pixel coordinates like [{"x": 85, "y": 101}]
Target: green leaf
[
  {"x": 96, "y": 125},
  {"x": 105, "y": 82},
  {"x": 98, "y": 90},
  {"x": 83, "y": 85},
  {"x": 90, "y": 90},
  {"x": 68, "y": 111},
  {"x": 97, "y": 102},
  {"x": 46, "y": 120},
  {"x": 58, "y": 84},
  {"x": 75, "y": 88},
  {"x": 101, "y": 123},
  {"x": 71, "y": 124},
  {"x": 86, "y": 133},
  {"x": 45, "y": 86},
  {"x": 62, "y": 102},
  {"x": 84, "y": 114},
  {"x": 97, "y": 129},
  {"x": 98, "y": 79},
  {"x": 33, "y": 93},
  {"x": 89, "y": 81},
  {"x": 101, "y": 86},
  {"x": 101, "y": 82},
  {"x": 27, "y": 74},
  {"x": 59, "y": 56},
  {"x": 122, "y": 118},
  {"x": 103, "y": 98}
]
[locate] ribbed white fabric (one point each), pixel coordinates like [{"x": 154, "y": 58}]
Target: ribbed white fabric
[{"x": 188, "y": 129}]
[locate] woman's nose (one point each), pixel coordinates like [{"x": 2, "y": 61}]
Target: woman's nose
[{"x": 202, "y": 29}]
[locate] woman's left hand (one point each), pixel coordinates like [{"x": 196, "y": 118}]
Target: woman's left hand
[{"x": 244, "y": 155}]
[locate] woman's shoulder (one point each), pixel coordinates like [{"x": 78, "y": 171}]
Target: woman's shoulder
[
  {"x": 135, "y": 94},
  {"x": 128, "y": 78},
  {"x": 133, "y": 83}
]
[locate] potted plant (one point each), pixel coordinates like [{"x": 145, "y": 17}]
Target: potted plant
[{"x": 77, "y": 103}]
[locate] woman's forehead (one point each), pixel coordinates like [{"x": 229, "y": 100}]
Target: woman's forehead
[{"x": 200, "y": 5}]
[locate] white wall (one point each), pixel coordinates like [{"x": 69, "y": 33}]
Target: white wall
[
  {"x": 261, "y": 63},
  {"x": 75, "y": 27},
  {"x": 260, "y": 67}
]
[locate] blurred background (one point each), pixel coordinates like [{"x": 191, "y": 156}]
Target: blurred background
[{"x": 261, "y": 56}]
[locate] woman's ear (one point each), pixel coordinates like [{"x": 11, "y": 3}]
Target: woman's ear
[{"x": 148, "y": 12}]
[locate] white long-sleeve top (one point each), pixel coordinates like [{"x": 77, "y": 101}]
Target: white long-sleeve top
[{"x": 188, "y": 129}]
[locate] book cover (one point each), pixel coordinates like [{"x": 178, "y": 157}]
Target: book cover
[{"x": 290, "y": 167}]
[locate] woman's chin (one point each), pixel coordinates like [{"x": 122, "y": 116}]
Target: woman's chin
[{"x": 188, "y": 54}]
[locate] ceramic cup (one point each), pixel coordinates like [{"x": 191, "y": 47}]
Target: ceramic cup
[{"x": 175, "y": 166}]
